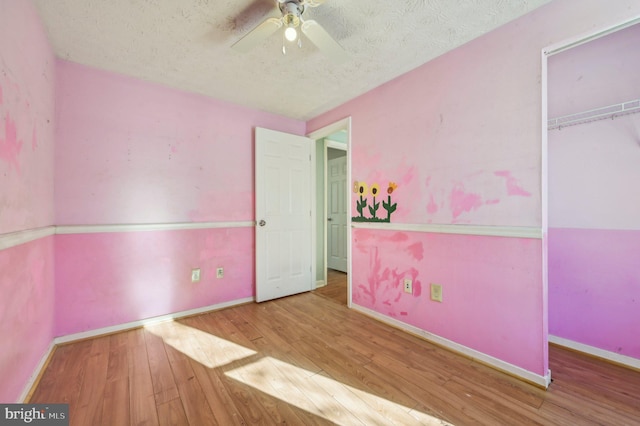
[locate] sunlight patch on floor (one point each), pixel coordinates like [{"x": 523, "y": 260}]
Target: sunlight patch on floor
[
  {"x": 324, "y": 396},
  {"x": 310, "y": 391},
  {"x": 203, "y": 347}
]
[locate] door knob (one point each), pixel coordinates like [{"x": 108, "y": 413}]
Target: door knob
[
  {"x": 329, "y": 219},
  {"x": 262, "y": 223}
]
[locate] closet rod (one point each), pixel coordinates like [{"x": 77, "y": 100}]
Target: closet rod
[{"x": 611, "y": 111}]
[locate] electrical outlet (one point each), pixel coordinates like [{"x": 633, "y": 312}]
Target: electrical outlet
[
  {"x": 408, "y": 286},
  {"x": 220, "y": 273},
  {"x": 436, "y": 292},
  {"x": 195, "y": 275}
]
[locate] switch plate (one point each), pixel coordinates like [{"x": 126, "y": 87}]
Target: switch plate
[
  {"x": 436, "y": 292},
  {"x": 195, "y": 275},
  {"x": 219, "y": 273},
  {"x": 408, "y": 285}
]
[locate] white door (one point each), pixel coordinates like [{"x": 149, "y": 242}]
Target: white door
[
  {"x": 337, "y": 214},
  {"x": 283, "y": 214}
]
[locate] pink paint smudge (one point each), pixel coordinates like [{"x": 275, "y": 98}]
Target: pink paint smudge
[
  {"x": 462, "y": 201},
  {"x": 398, "y": 237},
  {"x": 374, "y": 277},
  {"x": 408, "y": 177},
  {"x": 417, "y": 288},
  {"x": 495, "y": 201},
  {"x": 513, "y": 187},
  {"x": 427, "y": 182},
  {"x": 416, "y": 250},
  {"x": 10, "y": 147},
  {"x": 174, "y": 149},
  {"x": 1, "y": 99},
  {"x": 432, "y": 207}
]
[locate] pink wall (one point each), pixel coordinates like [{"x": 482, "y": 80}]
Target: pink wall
[
  {"x": 601, "y": 72},
  {"x": 130, "y": 151},
  {"x": 26, "y": 120},
  {"x": 26, "y": 312},
  {"x": 480, "y": 278},
  {"x": 26, "y": 194},
  {"x": 107, "y": 279},
  {"x": 461, "y": 137},
  {"x": 594, "y": 288},
  {"x": 594, "y": 204},
  {"x": 598, "y": 191},
  {"x": 127, "y": 152}
]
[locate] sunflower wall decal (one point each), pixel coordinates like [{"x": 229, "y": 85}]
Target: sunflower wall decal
[{"x": 362, "y": 206}]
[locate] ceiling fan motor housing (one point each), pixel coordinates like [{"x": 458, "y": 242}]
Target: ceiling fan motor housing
[{"x": 291, "y": 12}]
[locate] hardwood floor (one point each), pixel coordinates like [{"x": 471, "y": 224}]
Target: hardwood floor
[
  {"x": 307, "y": 359},
  {"x": 336, "y": 288}
]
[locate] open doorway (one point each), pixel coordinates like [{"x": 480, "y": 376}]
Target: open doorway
[
  {"x": 336, "y": 211},
  {"x": 333, "y": 232},
  {"x": 592, "y": 146}
]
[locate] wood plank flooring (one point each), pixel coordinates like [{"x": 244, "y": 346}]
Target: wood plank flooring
[
  {"x": 308, "y": 360},
  {"x": 336, "y": 288}
]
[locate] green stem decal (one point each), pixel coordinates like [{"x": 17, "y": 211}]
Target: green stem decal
[
  {"x": 361, "y": 205},
  {"x": 373, "y": 209},
  {"x": 390, "y": 208}
]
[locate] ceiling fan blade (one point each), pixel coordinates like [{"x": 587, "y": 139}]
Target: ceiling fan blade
[
  {"x": 256, "y": 35},
  {"x": 323, "y": 41}
]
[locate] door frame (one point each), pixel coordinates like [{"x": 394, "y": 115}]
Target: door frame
[
  {"x": 329, "y": 144},
  {"x": 546, "y": 52},
  {"x": 344, "y": 124}
]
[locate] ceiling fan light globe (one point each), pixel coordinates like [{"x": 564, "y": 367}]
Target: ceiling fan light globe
[{"x": 290, "y": 34}]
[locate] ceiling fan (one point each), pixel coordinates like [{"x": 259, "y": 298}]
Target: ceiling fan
[{"x": 292, "y": 11}]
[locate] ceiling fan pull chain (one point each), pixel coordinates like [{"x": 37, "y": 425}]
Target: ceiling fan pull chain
[{"x": 284, "y": 48}]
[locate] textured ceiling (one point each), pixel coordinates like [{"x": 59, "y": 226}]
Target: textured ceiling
[{"x": 187, "y": 44}]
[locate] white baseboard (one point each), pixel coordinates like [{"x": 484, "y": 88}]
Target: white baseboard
[
  {"x": 514, "y": 370},
  {"x": 320, "y": 283},
  {"x": 141, "y": 323},
  {"x": 35, "y": 374},
  {"x": 597, "y": 352}
]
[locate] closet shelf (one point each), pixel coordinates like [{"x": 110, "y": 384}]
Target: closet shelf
[{"x": 611, "y": 111}]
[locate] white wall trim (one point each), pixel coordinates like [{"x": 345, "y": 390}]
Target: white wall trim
[
  {"x": 320, "y": 283},
  {"x": 36, "y": 373},
  {"x": 328, "y": 143},
  {"x": 148, "y": 321},
  {"x": 514, "y": 370},
  {"x": 325, "y": 131},
  {"x": 597, "y": 352},
  {"x": 91, "y": 229},
  {"x": 587, "y": 37},
  {"x": 13, "y": 239},
  {"x": 490, "y": 231}
]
